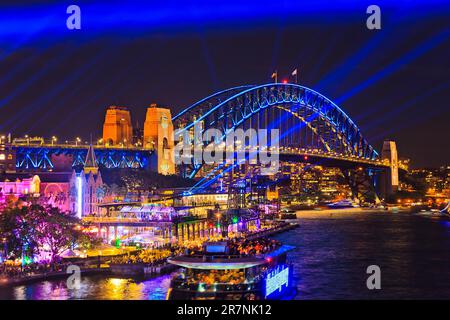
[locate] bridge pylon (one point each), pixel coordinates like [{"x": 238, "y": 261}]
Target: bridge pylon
[
  {"x": 389, "y": 179},
  {"x": 159, "y": 136},
  {"x": 362, "y": 183},
  {"x": 117, "y": 128}
]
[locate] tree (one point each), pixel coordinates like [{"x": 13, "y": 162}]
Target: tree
[
  {"x": 18, "y": 230},
  {"x": 56, "y": 231},
  {"x": 35, "y": 228}
]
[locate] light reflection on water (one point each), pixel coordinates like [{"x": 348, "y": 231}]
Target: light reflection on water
[
  {"x": 332, "y": 253},
  {"x": 92, "y": 287}
]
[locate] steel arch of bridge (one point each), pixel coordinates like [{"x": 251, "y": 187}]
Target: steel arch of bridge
[{"x": 245, "y": 106}]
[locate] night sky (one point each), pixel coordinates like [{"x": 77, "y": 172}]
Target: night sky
[{"x": 394, "y": 82}]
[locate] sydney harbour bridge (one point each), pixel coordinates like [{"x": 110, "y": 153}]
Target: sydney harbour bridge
[{"x": 312, "y": 129}]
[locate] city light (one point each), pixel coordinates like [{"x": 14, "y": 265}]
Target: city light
[
  {"x": 79, "y": 197},
  {"x": 209, "y": 152}
]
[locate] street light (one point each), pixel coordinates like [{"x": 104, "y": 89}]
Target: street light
[
  {"x": 77, "y": 140},
  {"x": 218, "y": 222},
  {"x": 54, "y": 139}
]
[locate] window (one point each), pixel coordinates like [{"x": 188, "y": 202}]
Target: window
[{"x": 2, "y": 156}]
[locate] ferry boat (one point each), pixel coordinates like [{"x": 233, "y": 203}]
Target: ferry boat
[
  {"x": 217, "y": 275},
  {"x": 343, "y": 204}
]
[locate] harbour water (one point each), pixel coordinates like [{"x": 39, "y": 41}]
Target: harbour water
[{"x": 333, "y": 251}]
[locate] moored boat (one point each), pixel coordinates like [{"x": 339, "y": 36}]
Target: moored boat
[
  {"x": 220, "y": 274},
  {"x": 343, "y": 204}
]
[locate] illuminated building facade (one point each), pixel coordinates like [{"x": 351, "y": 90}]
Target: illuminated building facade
[
  {"x": 7, "y": 155},
  {"x": 20, "y": 186},
  {"x": 45, "y": 188},
  {"x": 87, "y": 186},
  {"x": 79, "y": 192}
]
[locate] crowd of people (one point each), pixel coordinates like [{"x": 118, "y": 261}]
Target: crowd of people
[
  {"x": 252, "y": 247},
  {"x": 218, "y": 277},
  {"x": 148, "y": 256},
  {"x": 188, "y": 248}
]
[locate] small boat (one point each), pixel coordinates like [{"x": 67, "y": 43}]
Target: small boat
[{"x": 342, "y": 204}]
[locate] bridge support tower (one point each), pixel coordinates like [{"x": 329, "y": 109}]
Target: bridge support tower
[
  {"x": 117, "y": 128},
  {"x": 159, "y": 136},
  {"x": 389, "y": 179}
]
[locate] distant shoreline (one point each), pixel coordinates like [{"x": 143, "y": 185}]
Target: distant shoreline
[{"x": 300, "y": 213}]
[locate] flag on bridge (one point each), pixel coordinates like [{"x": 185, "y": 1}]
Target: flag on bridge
[
  {"x": 275, "y": 76},
  {"x": 295, "y": 74}
]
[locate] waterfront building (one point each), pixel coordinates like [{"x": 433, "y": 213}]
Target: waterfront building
[
  {"x": 15, "y": 186},
  {"x": 87, "y": 185},
  {"x": 149, "y": 224},
  {"x": 74, "y": 191},
  {"x": 7, "y": 155}
]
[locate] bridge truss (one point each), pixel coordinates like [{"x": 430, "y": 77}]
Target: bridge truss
[
  {"x": 44, "y": 157},
  {"x": 310, "y": 126}
]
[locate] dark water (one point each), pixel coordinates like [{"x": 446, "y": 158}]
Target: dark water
[
  {"x": 330, "y": 260},
  {"x": 333, "y": 253}
]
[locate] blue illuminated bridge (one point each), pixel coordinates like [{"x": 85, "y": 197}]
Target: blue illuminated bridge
[{"x": 312, "y": 127}]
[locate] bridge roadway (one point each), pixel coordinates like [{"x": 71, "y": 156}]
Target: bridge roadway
[
  {"x": 79, "y": 146},
  {"x": 286, "y": 153},
  {"x": 315, "y": 156},
  {"x": 330, "y": 159}
]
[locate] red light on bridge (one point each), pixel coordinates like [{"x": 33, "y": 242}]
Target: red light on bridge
[
  {"x": 285, "y": 81},
  {"x": 305, "y": 157}
]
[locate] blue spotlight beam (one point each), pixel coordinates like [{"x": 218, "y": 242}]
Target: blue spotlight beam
[{"x": 395, "y": 66}]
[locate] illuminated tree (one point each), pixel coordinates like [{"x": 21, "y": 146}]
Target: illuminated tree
[
  {"x": 18, "y": 230},
  {"x": 35, "y": 228},
  {"x": 55, "y": 231}
]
